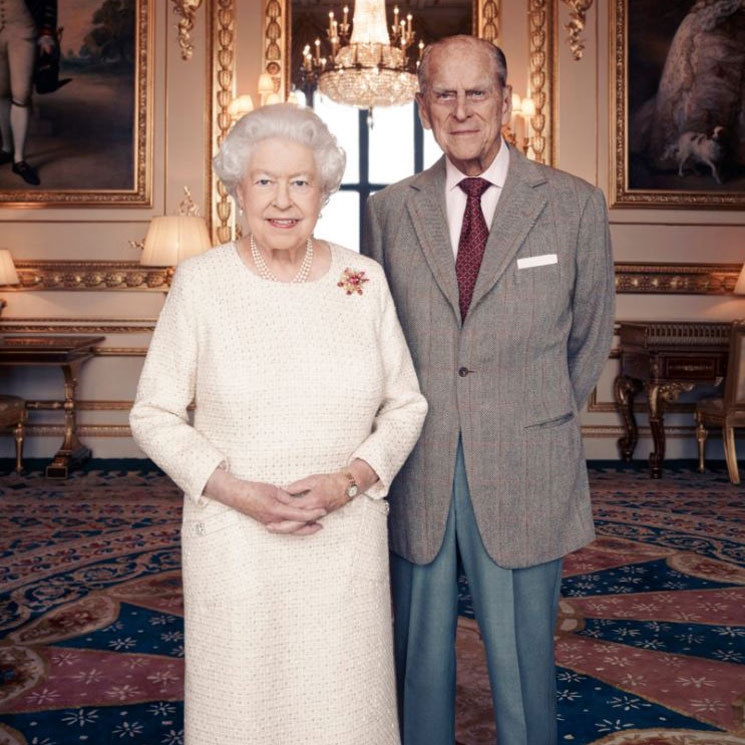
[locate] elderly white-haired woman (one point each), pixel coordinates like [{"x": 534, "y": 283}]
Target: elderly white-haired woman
[{"x": 306, "y": 407}]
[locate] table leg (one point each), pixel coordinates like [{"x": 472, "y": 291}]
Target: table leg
[
  {"x": 657, "y": 425},
  {"x": 625, "y": 389},
  {"x": 658, "y": 394},
  {"x": 72, "y": 452}
]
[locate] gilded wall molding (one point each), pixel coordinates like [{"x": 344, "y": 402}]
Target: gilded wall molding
[
  {"x": 221, "y": 91},
  {"x": 83, "y": 430},
  {"x": 576, "y": 26},
  {"x": 89, "y": 275},
  {"x": 488, "y": 17},
  {"x": 592, "y": 431},
  {"x": 276, "y": 53},
  {"x": 107, "y": 276},
  {"x": 676, "y": 279},
  {"x": 186, "y": 10},
  {"x": 82, "y": 405},
  {"x": 75, "y": 326},
  {"x": 119, "y": 430},
  {"x": 542, "y": 67}
]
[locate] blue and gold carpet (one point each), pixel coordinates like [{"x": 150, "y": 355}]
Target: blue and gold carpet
[{"x": 650, "y": 640}]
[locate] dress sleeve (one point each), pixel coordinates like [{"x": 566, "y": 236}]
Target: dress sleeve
[
  {"x": 159, "y": 418},
  {"x": 399, "y": 420}
]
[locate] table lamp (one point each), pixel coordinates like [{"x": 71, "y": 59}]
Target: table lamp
[
  {"x": 171, "y": 239},
  {"x": 8, "y": 273}
]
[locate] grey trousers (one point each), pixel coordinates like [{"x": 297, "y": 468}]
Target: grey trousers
[{"x": 516, "y": 610}]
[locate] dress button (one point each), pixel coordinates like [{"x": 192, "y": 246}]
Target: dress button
[{"x": 463, "y": 372}]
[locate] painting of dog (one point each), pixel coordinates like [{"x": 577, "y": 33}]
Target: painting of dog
[{"x": 680, "y": 124}]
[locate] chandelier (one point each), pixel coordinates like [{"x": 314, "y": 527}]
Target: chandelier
[{"x": 370, "y": 68}]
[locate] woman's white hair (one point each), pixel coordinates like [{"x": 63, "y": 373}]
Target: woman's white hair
[{"x": 284, "y": 121}]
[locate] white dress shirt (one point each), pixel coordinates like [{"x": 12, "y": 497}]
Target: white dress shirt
[{"x": 455, "y": 197}]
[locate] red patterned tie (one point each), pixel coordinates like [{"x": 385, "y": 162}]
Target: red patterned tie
[{"x": 473, "y": 235}]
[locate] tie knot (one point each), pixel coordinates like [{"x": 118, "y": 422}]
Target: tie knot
[{"x": 474, "y": 187}]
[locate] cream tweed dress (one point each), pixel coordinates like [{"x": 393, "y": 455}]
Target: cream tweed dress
[{"x": 288, "y": 638}]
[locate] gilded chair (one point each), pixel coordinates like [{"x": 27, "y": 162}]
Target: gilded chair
[
  {"x": 727, "y": 412},
  {"x": 13, "y": 416}
]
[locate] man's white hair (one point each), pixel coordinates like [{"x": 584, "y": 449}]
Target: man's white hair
[{"x": 284, "y": 121}]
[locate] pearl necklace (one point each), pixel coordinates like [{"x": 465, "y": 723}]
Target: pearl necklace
[{"x": 266, "y": 273}]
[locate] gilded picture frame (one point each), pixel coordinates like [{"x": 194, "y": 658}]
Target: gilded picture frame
[
  {"x": 676, "y": 125},
  {"x": 98, "y": 129}
]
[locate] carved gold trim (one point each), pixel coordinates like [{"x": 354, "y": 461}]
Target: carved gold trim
[
  {"x": 221, "y": 91},
  {"x": 89, "y": 275},
  {"x": 70, "y": 326},
  {"x": 141, "y": 193},
  {"x": 488, "y": 18},
  {"x": 83, "y": 430},
  {"x": 593, "y": 431},
  {"x": 621, "y": 194},
  {"x": 678, "y": 279},
  {"x": 577, "y": 19},
  {"x": 542, "y": 60},
  {"x": 276, "y": 55},
  {"x": 186, "y": 9},
  {"x": 81, "y": 405},
  {"x": 615, "y": 431},
  {"x": 120, "y": 352},
  {"x": 107, "y": 276}
]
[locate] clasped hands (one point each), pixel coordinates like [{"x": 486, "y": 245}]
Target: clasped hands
[{"x": 297, "y": 508}]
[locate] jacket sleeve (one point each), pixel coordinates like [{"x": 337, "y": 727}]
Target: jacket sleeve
[
  {"x": 399, "y": 420},
  {"x": 372, "y": 237},
  {"x": 159, "y": 418},
  {"x": 593, "y": 303}
]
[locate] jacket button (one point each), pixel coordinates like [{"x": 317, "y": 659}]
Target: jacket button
[{"x": 463, "y": 372}]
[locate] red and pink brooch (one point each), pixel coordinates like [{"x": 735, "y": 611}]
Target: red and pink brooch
[{"x": 352, "y": 281}]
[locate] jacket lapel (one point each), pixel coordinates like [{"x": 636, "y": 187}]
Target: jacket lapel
[
  {"x": 426, "y": 205},
  {"x": 517, "y": 210}
]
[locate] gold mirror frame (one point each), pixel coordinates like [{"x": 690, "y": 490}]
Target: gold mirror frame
[
  {"x": 542, "y": 62},
  {"x": 541, "y": 27}
]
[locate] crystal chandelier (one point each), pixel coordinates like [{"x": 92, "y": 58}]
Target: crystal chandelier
[{"x": 372, "y": 68}]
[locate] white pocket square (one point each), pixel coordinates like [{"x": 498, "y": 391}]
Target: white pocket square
[{"x": 530, "y": 261}]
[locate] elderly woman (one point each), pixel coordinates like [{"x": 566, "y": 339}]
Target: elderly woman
[{"x": 307, "y": 405}]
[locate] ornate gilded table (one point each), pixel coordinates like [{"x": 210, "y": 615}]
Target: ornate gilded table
[
  {"x": 664, "y": 359},
  {"x": 69, "y": 353}
]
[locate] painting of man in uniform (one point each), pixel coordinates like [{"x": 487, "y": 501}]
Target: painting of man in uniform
[
  {"x": 686, "y": 95},
  {"x": 67, "y": 94}
]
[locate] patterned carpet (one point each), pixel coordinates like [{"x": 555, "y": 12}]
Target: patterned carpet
[{"x": 650, "y": 645}]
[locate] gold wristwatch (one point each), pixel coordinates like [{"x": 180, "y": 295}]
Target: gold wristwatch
[{"x": 352, "y": 489}]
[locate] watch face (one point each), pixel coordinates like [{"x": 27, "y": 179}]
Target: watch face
[{"x": 352, "y": 491}]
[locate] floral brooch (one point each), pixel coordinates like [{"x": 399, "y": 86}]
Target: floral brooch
[{"x": 352, "y": 281}]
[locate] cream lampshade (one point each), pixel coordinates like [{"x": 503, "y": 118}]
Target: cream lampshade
[
  {"x": 240, "y": 106},
  {"x": 8, "y": 273},
  {"x": 172, "y": 239}
]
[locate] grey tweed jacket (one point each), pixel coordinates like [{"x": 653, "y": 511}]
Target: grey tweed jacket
[{"x": 512, "y": 378}]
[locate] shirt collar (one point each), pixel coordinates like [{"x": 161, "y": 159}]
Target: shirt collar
[{"x": 495, "y": 174}]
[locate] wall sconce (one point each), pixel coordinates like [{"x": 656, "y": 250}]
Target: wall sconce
[
  {"x": 267, "y": 95},
  {"x": 522, "y": 108},
  {"x": 239, "y": 106},
  {"x": 8, "y": 273}
]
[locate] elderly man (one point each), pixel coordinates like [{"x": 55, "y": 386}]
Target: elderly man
[{"x": 503, "y": 279}]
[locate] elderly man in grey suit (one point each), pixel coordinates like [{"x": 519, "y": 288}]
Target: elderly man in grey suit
[{"x": 503, "y": 279}]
